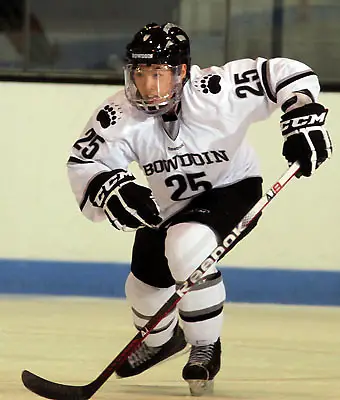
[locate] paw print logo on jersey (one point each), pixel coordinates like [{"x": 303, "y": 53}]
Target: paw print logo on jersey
[
  {"x": 209, "y": 84},
  {"x": 109, "y": 115}
]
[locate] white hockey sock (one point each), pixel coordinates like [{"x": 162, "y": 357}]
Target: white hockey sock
[
  {"x": 201, "y": 311},
  {"x": 145, "y": 301}
]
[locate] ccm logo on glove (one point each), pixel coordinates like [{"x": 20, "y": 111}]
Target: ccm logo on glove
[
  {"x": 117, "y": 179},
  {"x": 303, "y": 121}
]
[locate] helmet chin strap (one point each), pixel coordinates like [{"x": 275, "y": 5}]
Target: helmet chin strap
[{"x": 156, "y": 109}]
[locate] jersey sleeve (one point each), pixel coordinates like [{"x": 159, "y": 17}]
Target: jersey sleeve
[
  {"x": 263, "y": 85},
  {"x": 280, "y": 77},
  {"x": 247, "y": 90},
  {"x": 103, "y": 146}
]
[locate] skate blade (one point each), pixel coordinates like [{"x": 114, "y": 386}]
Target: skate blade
[{"x": 200, "y": 387}]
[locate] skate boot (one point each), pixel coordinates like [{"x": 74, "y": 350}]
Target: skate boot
[
  {"x": 204, "y": 363},
  {"x": 146, "y": 356}
]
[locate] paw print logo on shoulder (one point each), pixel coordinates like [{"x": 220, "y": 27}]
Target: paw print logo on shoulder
[
  {"x": 109, "y": 115},
  {"x": 208, "y": 84}
]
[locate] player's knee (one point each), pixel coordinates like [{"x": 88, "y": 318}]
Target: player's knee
[
  {"x": 187, "y": 244},
  {"x": 147, "y": 299}
]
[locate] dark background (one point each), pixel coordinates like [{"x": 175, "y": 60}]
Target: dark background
[{"x": 84, "y": 40}]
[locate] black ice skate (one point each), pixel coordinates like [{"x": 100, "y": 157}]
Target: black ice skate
[
  {"x": 204, "y": 363},
  {"x": 145, "y": 356}
]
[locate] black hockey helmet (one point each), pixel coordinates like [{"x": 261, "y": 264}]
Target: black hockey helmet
[
  {"x": 159, "y": 44},
  {"x": 166, "y": 45}
]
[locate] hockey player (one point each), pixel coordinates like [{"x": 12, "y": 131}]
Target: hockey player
[{"x": 186, "y": 128}]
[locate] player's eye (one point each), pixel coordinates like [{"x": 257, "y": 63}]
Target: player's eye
[{"x": 138, "y": 74}]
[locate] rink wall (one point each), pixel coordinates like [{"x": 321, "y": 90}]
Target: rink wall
[{"x": 48, "y": 247}]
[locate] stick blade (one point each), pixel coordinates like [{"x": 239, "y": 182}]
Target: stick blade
[{"x": 52, "y": 390}]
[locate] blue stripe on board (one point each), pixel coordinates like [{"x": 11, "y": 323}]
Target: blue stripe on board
[{"x": 251, "y": 285}]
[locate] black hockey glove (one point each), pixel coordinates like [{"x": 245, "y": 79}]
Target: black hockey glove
[
  {"x": 305, "y": 138},
  {"x": 127, "y": 205}
]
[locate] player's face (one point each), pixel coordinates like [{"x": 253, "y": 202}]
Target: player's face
[{"x": 155, "y": 82}]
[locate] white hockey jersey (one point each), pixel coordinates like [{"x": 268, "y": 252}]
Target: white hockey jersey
[{"x": 205, "y": 148}]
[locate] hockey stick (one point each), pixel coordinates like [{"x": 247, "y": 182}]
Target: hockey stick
[{"x": 56, "y": 391}]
